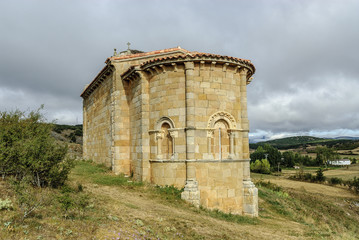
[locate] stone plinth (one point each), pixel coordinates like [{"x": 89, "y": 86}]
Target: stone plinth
[{"x": 191, "y": 193}]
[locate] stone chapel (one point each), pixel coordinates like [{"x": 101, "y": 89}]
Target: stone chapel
[{"x": 175, "y": 117}]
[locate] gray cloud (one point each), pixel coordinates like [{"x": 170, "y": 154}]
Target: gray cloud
[{"x": 305, "y": 53}]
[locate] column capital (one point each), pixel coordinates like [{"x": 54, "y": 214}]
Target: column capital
[
  {"x": 159, "y": 135},
  {"x": 210, "y": 133},
  {"x": 173, "y": 133}
]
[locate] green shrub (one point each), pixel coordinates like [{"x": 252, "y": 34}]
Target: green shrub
[
  {"x": 308, "y": 177},
  {"x": 272, "y": 186},
  {"x": 170, "y": 191},
  {"x": 5, "y": 204},
  {"x": 73, "y": 202},
  {"x": 27, "y": 150},
  {"x": 354, "y": 184},
  {"x": 78, "y": 132},
  {"x": 335, "y": 181},
  {"x": 320, "y": 176},
  {"x": 260, "y": 166}
]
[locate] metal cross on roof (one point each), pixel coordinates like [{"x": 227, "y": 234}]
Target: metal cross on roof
[{"x": 128, "y": 44}]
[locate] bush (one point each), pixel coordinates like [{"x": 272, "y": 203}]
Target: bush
[
  {"x": 272, "y": 186},
  {"x": 27, "y": 150},
  {"x": 170, "y": 191},
  {"x": 354, "y": 184},
  {"x": 261, "y": 166},
  {"x": 5, "y": 204},
  {"x": 320, "y": 176},
  {"x": 73, "y": 202},
  {"x": 308, "y": 177},
  {"x": 78, "y": 132},
  {"x": 335, "y": 181}
]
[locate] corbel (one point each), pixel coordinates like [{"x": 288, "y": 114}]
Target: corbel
[
  {"x": 163, "y": 68},
  {"x": 150, "y": 71},
  {"x": 174, "y": 67},
  {"x": 225, "y": 67},
  {"x": 155, "y": 69},
  {"x": 213, "y": 64},
  {"x": 201, "y": 65}
]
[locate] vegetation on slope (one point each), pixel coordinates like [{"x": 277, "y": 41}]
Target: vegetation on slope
[
  {"x": 29, "y": 153},
  {"x": 96, "y": 204},
  {"x": 68, "y": 133}
]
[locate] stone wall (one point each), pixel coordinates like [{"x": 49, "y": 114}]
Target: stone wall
[
  {"x": 168, "y": 173},
  {"x": 220, "y": 185},
  {"x": 97, "y": 124}
]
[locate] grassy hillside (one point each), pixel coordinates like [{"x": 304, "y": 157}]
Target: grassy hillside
[{"x": 99, "y": 205}]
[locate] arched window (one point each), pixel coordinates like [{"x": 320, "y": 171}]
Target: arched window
[
  {"x": 166, "y": 134},
  {"x": 221, "y": 140},
  {"x": 220, "y": 136},
  {"x": 167, "y": 141}
]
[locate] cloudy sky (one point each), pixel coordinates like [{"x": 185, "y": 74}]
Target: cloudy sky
[{"x": 306, "y": 53}]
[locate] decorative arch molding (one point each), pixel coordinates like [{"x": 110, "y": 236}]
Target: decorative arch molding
[
  {"x": 222, "y": 115},
  {"x": 163, "y": 120},
  {"x": 162, "y": 137}
]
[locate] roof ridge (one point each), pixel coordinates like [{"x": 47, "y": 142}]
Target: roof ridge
[{"x": 155, "y": 52}]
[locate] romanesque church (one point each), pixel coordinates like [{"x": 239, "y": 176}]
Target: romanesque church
[{"x": 175, "y": 117}]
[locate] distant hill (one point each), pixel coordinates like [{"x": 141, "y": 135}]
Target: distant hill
[
  {"x": 68, "y": 133},
  {"x": 295, "y": 140},
  {"x": 348, "y": 138},
  {"x": 304, "y": 141}
]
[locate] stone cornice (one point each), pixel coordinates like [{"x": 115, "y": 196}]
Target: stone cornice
[
  {"x": 101, "y": 76},
  {"x": 158, "y": 65},
  {"x": 200, "y": 59},
  {"x": 199, "y": 161},
  {"x": 131, "y": 73}
]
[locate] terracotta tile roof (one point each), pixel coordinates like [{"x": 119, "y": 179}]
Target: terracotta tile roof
[
  {"x": 183, "y": 54},
  {"x": 168, "y": 50}
]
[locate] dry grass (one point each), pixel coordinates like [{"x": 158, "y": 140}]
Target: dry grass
[{"x": 118, "y": 208}]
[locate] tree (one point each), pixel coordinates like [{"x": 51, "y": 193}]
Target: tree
[
  {"x": 260, "y": 166},
  {"x": 320, "y": 175},
  {"x": 27, "y": 150},
  {"x": 267, "y": 152},
  {"x": 325, "y": 154},
  {"x": 258, "y": 154},
  {"x": 265, "y": 167},
  {"x": 288, "y": 159}
]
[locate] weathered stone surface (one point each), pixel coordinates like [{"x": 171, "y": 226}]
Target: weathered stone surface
[{"x": 174, "y": 117}]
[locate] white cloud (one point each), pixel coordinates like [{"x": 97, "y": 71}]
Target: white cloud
[{"x": 305, "y": 53}]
